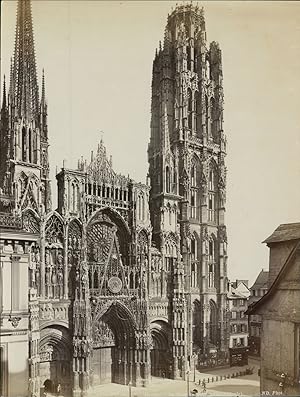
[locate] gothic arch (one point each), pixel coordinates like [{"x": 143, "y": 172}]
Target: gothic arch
[
  {"x": 198, "y": 316},
  {"x": 195, "y": 170},
  {"x": 77, "y": 223},
  {"x": 54, "y": 228},
  {"x": 213, "y": 166},
  {"x": 54, "y": 213},
  {"x": 141, "y": 206},
  {"x": 160, "y": 352},
  {"x": 195, "y": 255},
  {"x": 111, "y": 214},
  {"x": 31, "y": 221},
  {"x": 121, "y": 321},
  {"x": 142, "y": 242},
  {"x": 99, "y": 229},
  {"x": 55, "y": 352},
  {"x": 212, "y": 260},
  {"x": 213, "y": 323}
]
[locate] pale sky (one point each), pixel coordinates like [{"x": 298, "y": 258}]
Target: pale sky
[{"x": 98, "y": 58}]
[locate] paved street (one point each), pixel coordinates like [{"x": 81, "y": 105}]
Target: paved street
[{"x": 245, "y": 385}]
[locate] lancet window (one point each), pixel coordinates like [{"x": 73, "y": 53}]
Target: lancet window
[
  {"x": 189, "y": 61},
  {"x": 24, "y": 144},
  {"x": 168, "y": 180},
  {"x": 213, "y": 324},
  {"x": 212, "y": 196},
  {"x": 198, "y": 115},
  {"x": 194, "y": 176},
  {"x": 211, "y": 262},
  {"x": 174, "y": 179},
  {"x": 141, "y": 207},
  {"x": 194, "y": 261}
]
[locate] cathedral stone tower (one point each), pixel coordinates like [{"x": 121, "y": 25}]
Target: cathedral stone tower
[
  {"x": 24, "y": 167},
  {"x": 188, "y": 178}
]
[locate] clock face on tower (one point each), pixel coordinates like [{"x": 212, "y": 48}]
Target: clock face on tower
[{"x": 115, "y": 284}]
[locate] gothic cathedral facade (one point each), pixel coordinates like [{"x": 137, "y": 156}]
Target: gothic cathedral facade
[{"x": 124, "y": 280}]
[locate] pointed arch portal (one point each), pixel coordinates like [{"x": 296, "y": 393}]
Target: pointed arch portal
[
  {"x": 55, "y": 353},
  {"x": 114, "y": 358},
  {"x": 160, "y": 353}
]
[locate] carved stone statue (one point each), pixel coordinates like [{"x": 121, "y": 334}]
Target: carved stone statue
[{"x": 48, "y": 281}]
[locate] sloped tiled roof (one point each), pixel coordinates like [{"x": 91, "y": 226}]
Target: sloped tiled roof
[
  {"x": 285, "y": 232},
  {"x": 253, "y": 308},
  {"x": 261, "y": 280}
]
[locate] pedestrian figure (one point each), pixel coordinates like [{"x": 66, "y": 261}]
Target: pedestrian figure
[
  {"x": 203, "y": 386},
  {"x": 58, "y": 390}
]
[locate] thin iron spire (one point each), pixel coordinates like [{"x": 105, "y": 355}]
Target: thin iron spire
[{"x": 24, "y": 86}]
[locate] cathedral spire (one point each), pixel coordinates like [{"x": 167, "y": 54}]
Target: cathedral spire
[{"x": 24, "y": 88}]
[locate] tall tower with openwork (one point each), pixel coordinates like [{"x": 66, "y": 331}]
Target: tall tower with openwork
[
  {"x": 24, "y": 165},
  {"x": 187, "y": 174}
]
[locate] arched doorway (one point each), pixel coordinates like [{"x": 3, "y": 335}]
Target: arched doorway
[
  {"x": 55, "y": 358},
  {"x": 114, "y": 355},
  {"x": 197, "y": 326},
  {"x": 160, "y": 352}
]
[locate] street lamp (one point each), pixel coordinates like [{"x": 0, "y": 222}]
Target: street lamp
[
  {"x": 194, "y": 359},
  {"x": 188, "y": 383}
]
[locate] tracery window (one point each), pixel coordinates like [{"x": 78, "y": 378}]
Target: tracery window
[
  {"x": 107, "y": 254},
  {"x": 30, "y": 222},
  {"x": 212, "y": 195}
]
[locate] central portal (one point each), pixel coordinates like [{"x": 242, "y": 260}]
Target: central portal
[{"x": 114, "y": 355}]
